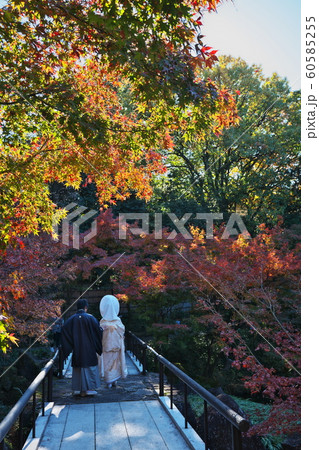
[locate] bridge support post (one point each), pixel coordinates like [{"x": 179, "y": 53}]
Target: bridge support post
[
  {"x": 34, "y": 404},
  {"x": 50, "y": 384},
  {"x": 43, "y": 394},
  {"x": 60, "y": 363},
  {"x": 144, "y": 360},
  {"x": 20, "y": 431},
  {"x": 236, "y": 439},
  {"x": 186, "y": 404},
  {"x": 205, "y": 425},
  {"x": 161, "y": 379}
]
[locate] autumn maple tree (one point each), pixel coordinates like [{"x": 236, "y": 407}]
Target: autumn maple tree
[
  {"x": 31, "y": 274},
  {"x": 65, "y": 109}
]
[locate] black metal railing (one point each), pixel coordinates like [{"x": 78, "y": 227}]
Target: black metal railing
[
  {"x": 16, "y": 413},
  {"x": 238, "y": 424}
]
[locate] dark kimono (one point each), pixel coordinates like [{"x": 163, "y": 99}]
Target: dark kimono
[{"x": 82, "y": 335}]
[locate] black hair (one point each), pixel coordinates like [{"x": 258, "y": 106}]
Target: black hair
[{"x": 82, "y": 303}]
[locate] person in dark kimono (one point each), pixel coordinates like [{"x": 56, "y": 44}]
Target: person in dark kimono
[{"x": 82, "y": 335}]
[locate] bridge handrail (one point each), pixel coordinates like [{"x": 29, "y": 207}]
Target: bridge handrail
[
  {"x": 18, "y": 408},
  {"x": 237, "y": 421}
]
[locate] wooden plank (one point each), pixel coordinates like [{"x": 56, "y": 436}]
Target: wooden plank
[
  {"x": 79, "y": 429},
  {"x": 53, "y": 433},
  {"x": 40, "y": 425},
  {"x": 110, "y": 430},
  {"x": 134, "y": 425},
  {"x": 141, "y": 428},
  {"x": 166, "y": 427},
  {"x": 190, "y": 435}
]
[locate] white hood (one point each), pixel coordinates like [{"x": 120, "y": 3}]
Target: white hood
[{"x": 109, "y": 308}]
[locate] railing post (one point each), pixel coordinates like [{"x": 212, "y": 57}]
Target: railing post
[
  {"x": 236, "y": 439},
  {"x": 171, "y": 391},
  {"x": 205, "y": 425},
  {"x": 144, "y": 360},
  {"x": 33, "y": 413},
  {"x": 20, "y": 431},
  {"x": 43, "y": 394},
  {"x": 50, "y": 383},
  {"x": 161, "y": 379},
  {"x": 185, "y": 404},
  {"x": 128, "y": 342},
  {"x": 60, "y": 363}
]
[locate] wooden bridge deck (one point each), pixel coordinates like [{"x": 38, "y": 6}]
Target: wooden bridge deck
[
  {"x": 129, "y": 416},
  {"x": 138, "y": 425}
]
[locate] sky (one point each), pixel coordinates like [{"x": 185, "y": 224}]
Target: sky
[{"x": 264, "y": 32}]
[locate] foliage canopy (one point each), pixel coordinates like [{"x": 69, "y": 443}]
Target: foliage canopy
[
  {"x": 66, "y": 70},
  {"x": 254, "y": 167}
]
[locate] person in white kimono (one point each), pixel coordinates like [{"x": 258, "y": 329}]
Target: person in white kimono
[{"x": 112, "y": 361}]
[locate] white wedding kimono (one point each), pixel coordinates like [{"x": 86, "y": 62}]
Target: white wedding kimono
[{"x": 112, "y": 361}]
